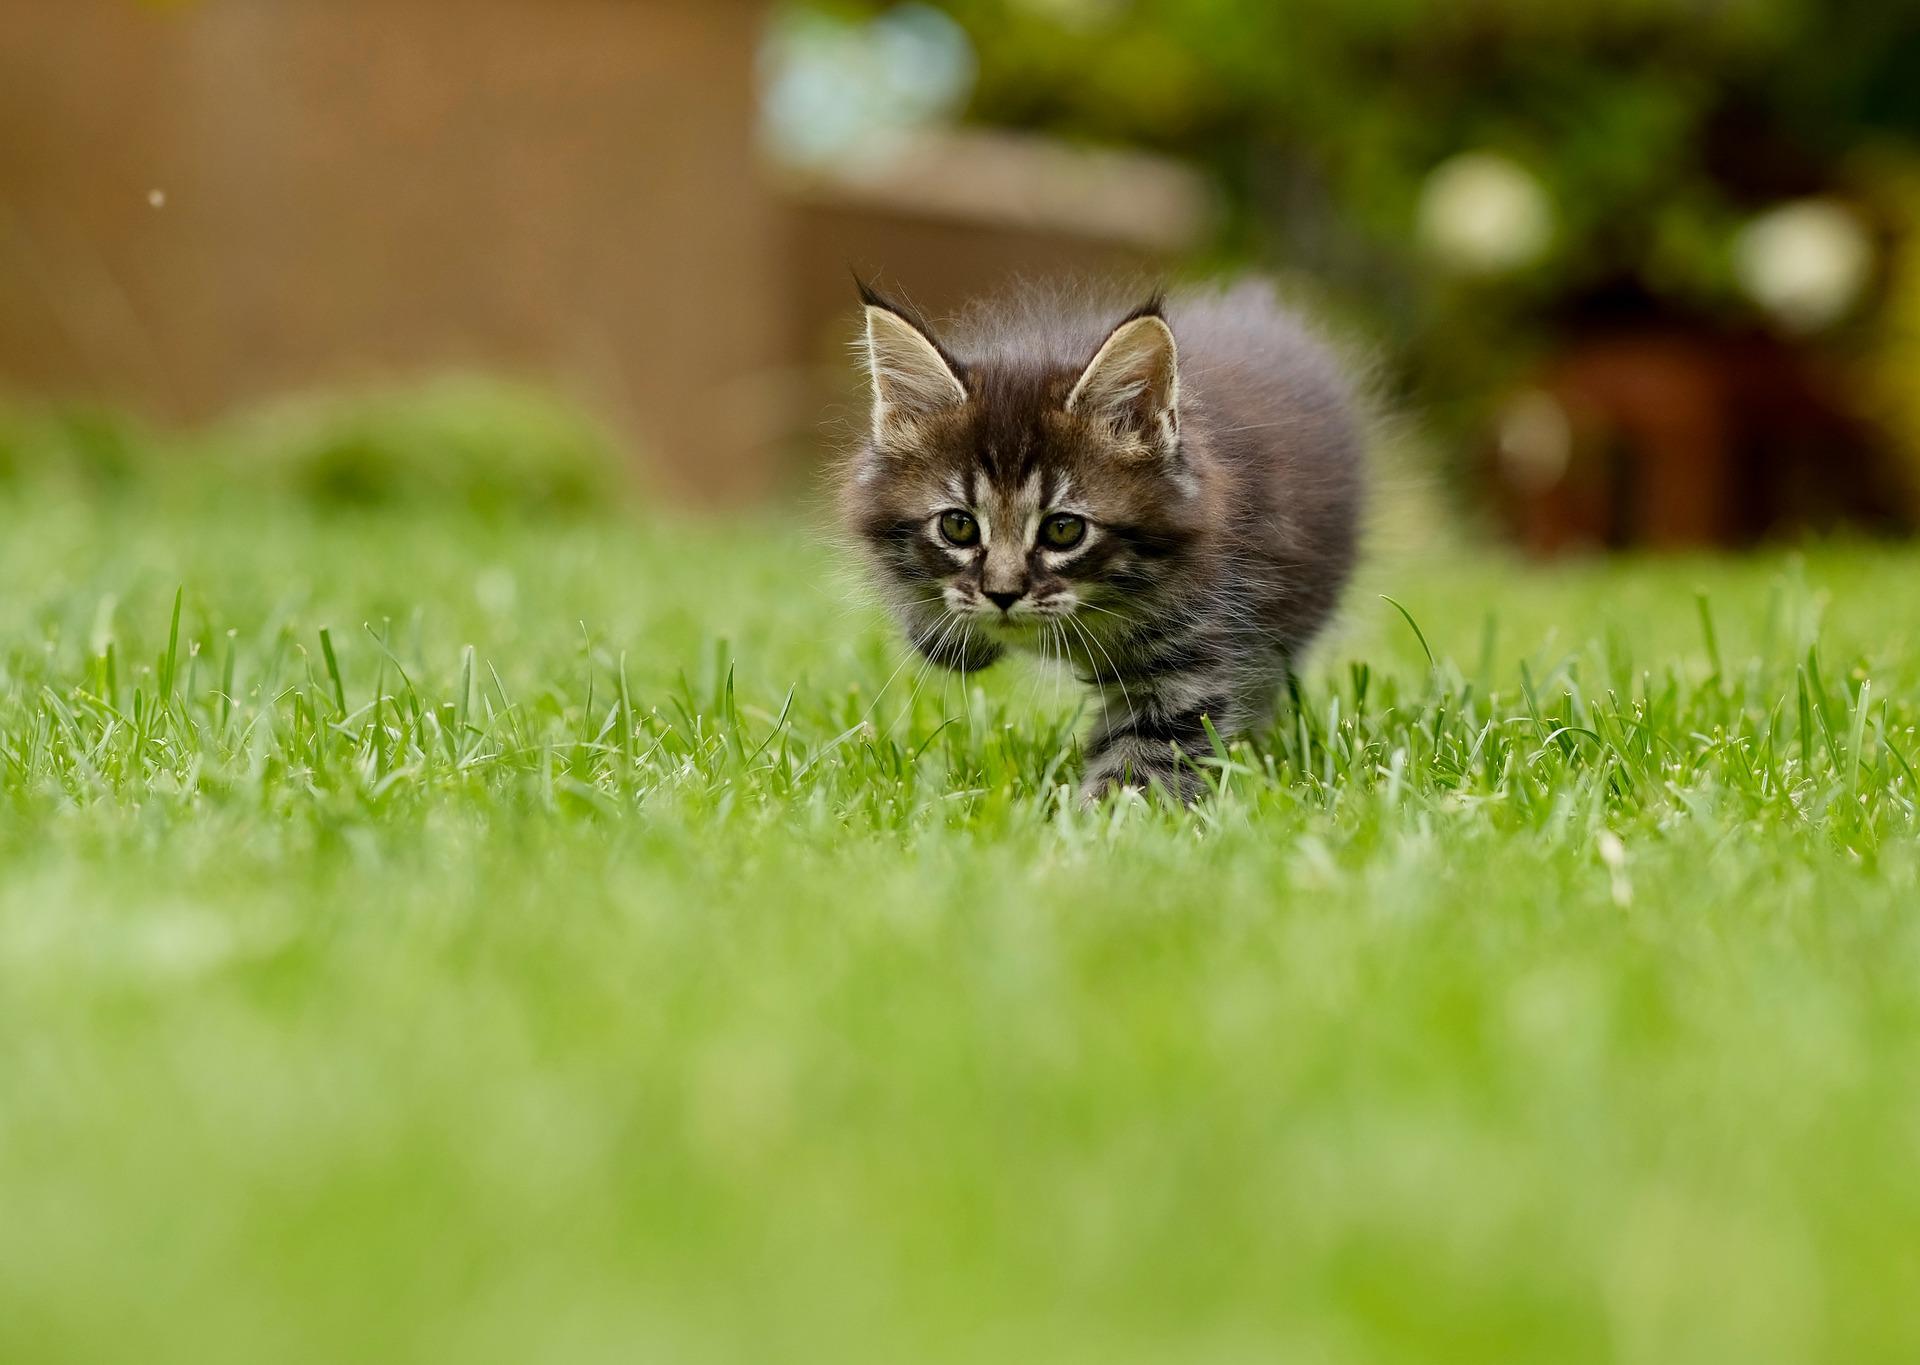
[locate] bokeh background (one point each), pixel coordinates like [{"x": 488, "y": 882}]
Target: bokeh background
[{"x": 1629, "y": 272}]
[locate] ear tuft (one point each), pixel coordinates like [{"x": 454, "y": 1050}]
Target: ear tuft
[
  {"x": 911, "y": 378},
  {"x": 1133, "y": 380},
  {"x": 871, "y": 296}
]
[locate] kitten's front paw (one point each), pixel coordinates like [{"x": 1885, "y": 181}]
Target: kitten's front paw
[{"x": 1175, "y": 781}]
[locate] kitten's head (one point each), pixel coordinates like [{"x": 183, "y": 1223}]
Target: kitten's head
[{"x": 1010, "y": 489}]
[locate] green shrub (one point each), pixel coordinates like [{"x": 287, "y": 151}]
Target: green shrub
[
  {"x": 484, "y": 445},
  {"x": 83, "y": 445},
  {"x": 481, "y": 445}
]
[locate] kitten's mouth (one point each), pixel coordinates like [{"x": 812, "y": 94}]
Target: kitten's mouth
[{"x": 1024, "y": 625}]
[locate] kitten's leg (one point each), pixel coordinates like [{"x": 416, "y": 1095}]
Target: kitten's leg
[
  {"x": 1155, "y": 730},
  {"x": 1268, "y": 692}
]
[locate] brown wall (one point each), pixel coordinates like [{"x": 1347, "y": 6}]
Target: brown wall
[
  {"x": 364, "y": 189},
  {"x": 369, "y": 190}
]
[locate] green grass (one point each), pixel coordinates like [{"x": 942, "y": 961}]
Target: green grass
[{"x": 480, "y": 938}]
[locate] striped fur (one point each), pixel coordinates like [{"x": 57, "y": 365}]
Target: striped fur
[{"x": 1202, "y": 454}]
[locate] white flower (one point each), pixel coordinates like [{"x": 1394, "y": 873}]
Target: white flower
[
  {"x": 1484, "y": 213},
  {"x": 1804, "y": 262},
  {"x": 1536, "y": 440}
]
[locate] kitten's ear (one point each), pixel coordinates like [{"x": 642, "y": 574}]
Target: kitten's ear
[
  {"x": 911, "y": 376},
  {"x": 1133, "y": 380}
]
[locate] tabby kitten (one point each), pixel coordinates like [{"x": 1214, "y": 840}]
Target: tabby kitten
[{"x": 1168, "y": 499}]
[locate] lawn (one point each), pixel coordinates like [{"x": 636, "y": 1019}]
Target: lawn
[{"x": 435, "y": 931}]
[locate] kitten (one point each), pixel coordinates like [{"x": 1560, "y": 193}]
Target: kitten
[{"x": 1168, "y": 496}]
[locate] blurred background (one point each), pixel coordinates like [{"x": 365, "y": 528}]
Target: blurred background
[{"x": 1631, "y": 272}]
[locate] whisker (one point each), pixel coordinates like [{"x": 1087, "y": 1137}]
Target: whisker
[
  {"x": 1126, "y": 696},
  {"x": 914, "y": 643},
  {"x": 927, "y": 664}
]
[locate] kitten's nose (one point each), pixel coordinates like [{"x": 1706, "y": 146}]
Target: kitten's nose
[{"x": 1004, "y": 600}]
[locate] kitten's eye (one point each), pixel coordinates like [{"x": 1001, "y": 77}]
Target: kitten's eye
[
  {"x": 1063, "y": 532},
  {"x": 959, "y": 528}
]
